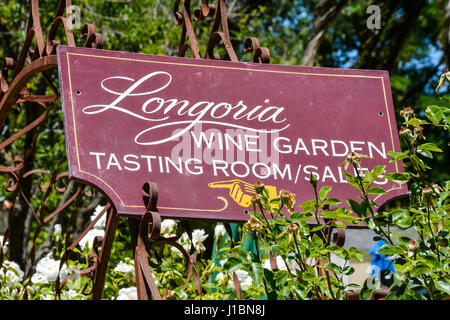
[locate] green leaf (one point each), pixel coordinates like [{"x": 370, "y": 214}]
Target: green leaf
[
  {"x": 348, "y": 270},
  {"x": 296, "y": 216},
  {"x": 265, "y": 193},
  {"x": 430, "y": 147},
  {"x": 308, "y": 205},
  {"x": 396, "y": 156},
  {"x": 418, "y": 270},
  {"x": 398, "y": 177},
  {"x": 370, "y": 223},
  {"x": 257, "y": 215},
  {"x": 390, "y": 249},
  {"x": 443, "y": 286},
  {"x": 416, "y": 121},
  {"x": 307, "y": 276},
  {"x": 317, "y": 228},
  {"x": 346, "y": 218},
  {"x": 334, "y": 249},
  {"x": 368, "y": 289},
  {"x": 404, "y": 240},
  {"x": 352, "y": 181},
  {"x": 446, "y": 112},
  {"x": 286, "y": 290},
  {"x": 434, "y": 114},
  {"x": 317, "y": 241},
  {"x": 378, "y": 170},
  {"x": 355, "y": 254},
  {"x": 329, "y": 214},
  {"x": 356, "y": 207},
  {"x": 324, "y": 192},
  {"x": 232, "y": 264},
  {"x": 420, "y": 162},
  {"x": 432, "y": 260},
  {"x": 252, "y": 257},
  {"x": 401, "y": 218},
  {"x": 268, "y": 275},
  {"x": 257, "y": 271},
  {"x": 425, "y": 153},
  {"x": 333, "y": 267},
  {"x": 275, "y": 201},
  {"x": 376, "y": 190},
  {"x": 281, "y": 222},
  {"x": 304, "y": 227},
  {"x": 331, "y": 201},
  {"x": 403, "y": 268},
  {"x": 281, "y": 277},
  {"x": 444, "y": 195},
  {"x": 368, "y": 178},
  {"x": 181, "y": 294}
]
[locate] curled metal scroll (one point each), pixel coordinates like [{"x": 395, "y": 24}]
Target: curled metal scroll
[
  {"x": 260, "y": 54},
  {"x": 219, "y": 32},
  {"x": 35, "y": 60},
  {"x": 147, "y": 234}
]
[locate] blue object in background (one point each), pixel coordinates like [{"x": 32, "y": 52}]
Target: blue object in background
[{"x": 380, "y": 261}]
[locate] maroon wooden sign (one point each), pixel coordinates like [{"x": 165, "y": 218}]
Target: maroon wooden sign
[{"x": 206, "y": 131}]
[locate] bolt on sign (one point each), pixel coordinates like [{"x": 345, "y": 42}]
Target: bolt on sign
[{"x": 206, "y": 131}]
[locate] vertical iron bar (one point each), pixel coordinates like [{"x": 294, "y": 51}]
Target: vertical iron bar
[
  {"x": 142, "y": 291},
  {"x": 99, "y": 281}
]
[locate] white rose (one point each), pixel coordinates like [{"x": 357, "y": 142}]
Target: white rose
[
  {"x": 127, "y": 294},
  {"x": 185, "y": 242},
  {"x": 38, "y": 278},
  {"x": 222, "y": 262},
  {"x": 246, "y": 283},
  {"x": 4, "y": 246},
  {"x": 244, "y": 278},
  {"x": 126, "y": 268},
  {"x": 198, "y": 236},
  {"x": 102, "y": 222},
  {"x": 168, "y": 227},
  {"x": 220, "y": 278},
  {"x": 70, "y": 295},
  {"x": 47, "y": 270},
  {"x": 219, "y": 231},
  {"x": 57, "y": 230},
  {"x": 14, "y": 274},
  {"x": 89, "y": 238},
  {"x": 184, "y": 239}
]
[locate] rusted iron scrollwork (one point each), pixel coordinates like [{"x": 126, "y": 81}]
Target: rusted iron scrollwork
[
  {"x": 219, "y": 32},
  {"x": 145, "y": 233},
  {"x": 35, "y": 61}
]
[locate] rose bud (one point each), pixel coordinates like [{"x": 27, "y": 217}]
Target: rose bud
[
  {"x": 253, "y": 225},
  {"x": 259, "y": 187}
]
